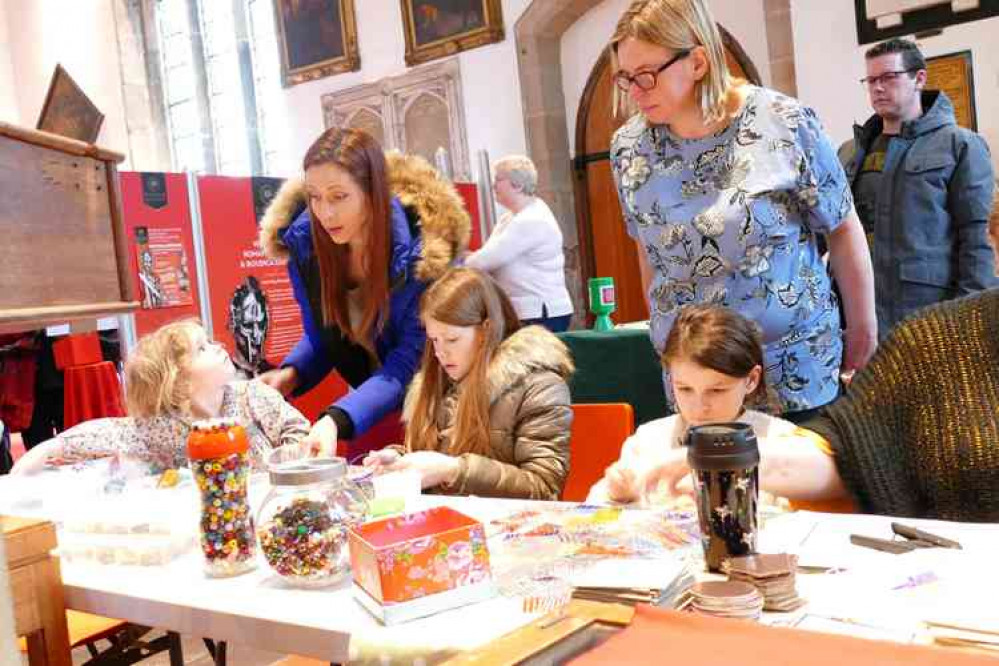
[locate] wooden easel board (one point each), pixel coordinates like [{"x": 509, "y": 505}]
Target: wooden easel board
[{"x": 60, "y": 216}]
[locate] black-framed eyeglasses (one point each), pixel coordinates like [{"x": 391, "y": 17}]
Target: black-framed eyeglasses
[
  {"x": 647, "y": 80},
  {"x": 886, "y": 78}
]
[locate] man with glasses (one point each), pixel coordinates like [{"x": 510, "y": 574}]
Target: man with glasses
[{"x": 923, "y": 189}]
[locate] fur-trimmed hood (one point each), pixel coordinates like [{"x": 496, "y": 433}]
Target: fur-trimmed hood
[
  {"x": 444, "y": 223},
  {"x": 530, "y": 350}
]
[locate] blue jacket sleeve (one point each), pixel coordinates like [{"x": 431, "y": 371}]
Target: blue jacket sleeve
[
  {"x": 310, "y": 364},
  {"x": 384, "y": 391},
  {"x": 970, "y": 205}
]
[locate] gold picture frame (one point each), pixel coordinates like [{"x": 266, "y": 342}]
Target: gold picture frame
[
  {"x": 953, "y": 74},
  {"x": 317, "y": 38},
  {"x": 68, "y": 111},
  {"x": 440, "y": 28}
]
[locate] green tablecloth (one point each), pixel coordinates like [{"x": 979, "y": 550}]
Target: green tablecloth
[{"x": 617, "y": 366}]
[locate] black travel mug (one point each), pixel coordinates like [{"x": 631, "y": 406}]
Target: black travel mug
[{"x": 724, "y": 462}]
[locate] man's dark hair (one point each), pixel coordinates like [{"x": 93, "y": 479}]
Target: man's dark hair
[{"x": 912, "y": 57}]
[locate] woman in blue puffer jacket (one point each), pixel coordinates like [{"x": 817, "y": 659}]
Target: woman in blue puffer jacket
[{"x": 363, "y": 233}]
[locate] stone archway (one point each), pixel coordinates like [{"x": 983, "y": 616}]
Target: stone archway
[{"x": 538, "y": 33}]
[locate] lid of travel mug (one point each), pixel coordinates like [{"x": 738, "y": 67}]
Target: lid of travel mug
[{"x": 722, "y": 446}]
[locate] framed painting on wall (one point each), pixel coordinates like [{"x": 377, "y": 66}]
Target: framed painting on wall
[
  {"x": 68, "y": 111},
  {"x": 317, "y": 38},
  {"x": 439, "y": 28},
  {"x": 878, "y": 20},
  {"x": 953, "y": 74}
]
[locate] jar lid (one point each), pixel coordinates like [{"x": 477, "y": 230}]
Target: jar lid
[
  {"x": 306, "y": 471},
  {"x": 214, "y": 438}
]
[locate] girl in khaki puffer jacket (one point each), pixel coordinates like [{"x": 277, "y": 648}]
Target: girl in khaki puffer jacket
[{"x": 489, "y": 412}]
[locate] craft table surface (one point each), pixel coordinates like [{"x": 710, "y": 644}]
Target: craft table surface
[{"x": 260, "y": 611}]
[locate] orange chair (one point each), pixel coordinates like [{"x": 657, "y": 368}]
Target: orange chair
[
  {"x": 598, "y": 433},
  {"x": 125, "y": 640}
]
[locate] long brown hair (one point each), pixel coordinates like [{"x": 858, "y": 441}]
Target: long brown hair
[
  {"x": 359, "y": 154},
  {"x": 461, "y": 297},
  {"x": 722, "y": 340}
]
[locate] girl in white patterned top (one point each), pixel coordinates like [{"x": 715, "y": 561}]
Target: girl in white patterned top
[
  {"x": 172, "y": 378},
  {"x": 715, "y": 359}
]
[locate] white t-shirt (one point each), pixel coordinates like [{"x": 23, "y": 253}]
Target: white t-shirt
[
  {"x": 524, "y": 255},
  {"x": 648, "y": 446}
]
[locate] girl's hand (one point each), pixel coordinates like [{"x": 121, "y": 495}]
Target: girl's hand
[
  {"x": 671, "y": 476},
  {"x": 36, "y": 459},
  {"x": 382, "y": 460},
  {"x": 321, "y": 440},
  {"x": 435, "y": 469},
  {"x": 622, "y": 485}
]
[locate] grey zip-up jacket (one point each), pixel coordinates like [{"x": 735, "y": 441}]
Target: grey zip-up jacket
[{"x": 933, "y": 205}]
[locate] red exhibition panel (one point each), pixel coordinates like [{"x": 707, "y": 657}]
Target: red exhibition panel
[
  {"x": 254, "y": 312},
  {"x": 470, "y": 193},
  {"x": 157, "y": 217}
]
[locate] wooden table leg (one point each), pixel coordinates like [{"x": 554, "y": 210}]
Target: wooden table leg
[
  {"x": 36, "y": 587},
  {"x": 50, "y": 646}
]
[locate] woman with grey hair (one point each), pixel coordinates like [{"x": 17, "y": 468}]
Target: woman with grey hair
[{"x": 524, "y": 252}]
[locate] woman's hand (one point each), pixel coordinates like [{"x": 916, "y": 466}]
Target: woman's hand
[
  {"x": 435, "y": 469},
  {"x": 858, "y": 347},
  {"x": 321, "y": 440},
  {"x": 283, "y": 380},
  {"x": 622, "y": 484},
  {"x": 382, "y": 460}
]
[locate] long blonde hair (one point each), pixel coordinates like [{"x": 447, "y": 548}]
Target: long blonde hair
[
  {"x": 678, "y": 25},
  {"x": 157, "y": 372},
  {"x": 461, "y": 297}
]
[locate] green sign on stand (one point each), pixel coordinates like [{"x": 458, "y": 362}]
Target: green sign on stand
[{"x": 602, "y": 302}]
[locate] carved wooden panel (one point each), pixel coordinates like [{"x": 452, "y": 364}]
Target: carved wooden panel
[{"x": 416, "y": 113}]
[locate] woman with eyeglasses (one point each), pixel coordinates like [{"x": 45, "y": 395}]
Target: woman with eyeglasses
[{"x": 726, "y": 188}]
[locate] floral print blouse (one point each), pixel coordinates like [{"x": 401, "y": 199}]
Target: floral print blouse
[
  {"x": 733, "y": 219},
  {"x": 162, "y": 441}
]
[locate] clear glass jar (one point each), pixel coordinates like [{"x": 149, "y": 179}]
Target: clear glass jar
[
  {"x": 303, "y": 522},
  {"x": 362, "y": 476},
  {"x": 219, "y": 457}
]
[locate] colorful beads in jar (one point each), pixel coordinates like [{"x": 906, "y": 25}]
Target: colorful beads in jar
[
  {"x": 302, "y": 525},
  {"x": 219, "y": 456},
  {"x": 304, "y": 543}
]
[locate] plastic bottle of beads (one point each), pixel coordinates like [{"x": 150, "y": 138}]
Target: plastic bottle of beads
[
  {"x": 218, "y": 450},
  {"x": 302, "y": 525}
]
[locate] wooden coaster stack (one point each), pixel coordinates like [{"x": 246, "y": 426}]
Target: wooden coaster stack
[
  {"x": 726, "y": 598},
  {"x": 772, "y": 575}
]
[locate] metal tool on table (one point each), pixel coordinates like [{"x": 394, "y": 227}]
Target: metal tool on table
[{"x": 912, "y": 538}]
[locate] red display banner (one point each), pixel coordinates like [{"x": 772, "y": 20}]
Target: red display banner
[
  {"x": 254, "y": 311},
  {"x": 157, "y": 217},
  {"x": 470, "y": 193}
]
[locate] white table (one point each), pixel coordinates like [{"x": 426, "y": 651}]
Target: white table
[{"x": 260, "y": 611}]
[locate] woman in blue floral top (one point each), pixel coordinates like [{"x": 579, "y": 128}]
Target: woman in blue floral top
[{"x": 726, "y": 187}]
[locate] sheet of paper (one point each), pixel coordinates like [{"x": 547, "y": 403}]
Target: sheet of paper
[{"x": 627, "y": 573}]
